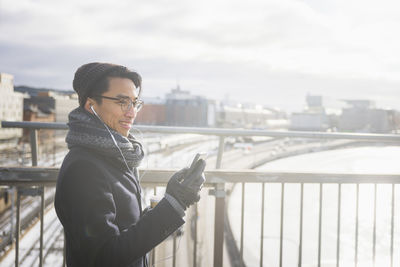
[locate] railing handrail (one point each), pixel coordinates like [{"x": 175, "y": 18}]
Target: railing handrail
[
  {"x": 223, "y": 131},
  {"x": 48, "y": 176}
]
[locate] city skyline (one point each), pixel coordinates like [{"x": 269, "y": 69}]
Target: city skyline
[{"x": 268, "y": 52}]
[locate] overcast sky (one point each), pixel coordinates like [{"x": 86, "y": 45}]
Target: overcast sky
[{"x": 270, "y": 52}]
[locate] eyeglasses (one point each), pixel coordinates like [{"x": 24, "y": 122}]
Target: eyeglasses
[{"x": 125, "y": 103}]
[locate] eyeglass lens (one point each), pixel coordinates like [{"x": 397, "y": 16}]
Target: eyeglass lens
[{"x": 128, "y": 104}]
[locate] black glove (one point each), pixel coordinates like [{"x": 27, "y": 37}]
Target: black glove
[
  {"x": 185, "y": 185},
  {"x": 146, "y": 210}
]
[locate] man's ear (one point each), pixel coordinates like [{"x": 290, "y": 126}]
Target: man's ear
[{"x": 88, "y": 104}]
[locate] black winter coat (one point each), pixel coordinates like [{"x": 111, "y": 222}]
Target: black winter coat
[{"x": 98, "y": 203}]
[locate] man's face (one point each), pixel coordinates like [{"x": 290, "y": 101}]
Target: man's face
[{"x": 110, "y": 110}]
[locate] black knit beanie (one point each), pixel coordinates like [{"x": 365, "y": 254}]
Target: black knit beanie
[{"x": 87, "y": 75}]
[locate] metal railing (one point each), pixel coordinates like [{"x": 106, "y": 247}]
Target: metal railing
[{"x": 40, "y": 177}]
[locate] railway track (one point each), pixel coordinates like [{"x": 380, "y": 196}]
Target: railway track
[
  {"x": 51, "y": 232},
  {"x": 29, "y": 211}
]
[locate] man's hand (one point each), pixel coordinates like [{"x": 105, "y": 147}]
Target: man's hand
[{"x": 185, "y": 185}]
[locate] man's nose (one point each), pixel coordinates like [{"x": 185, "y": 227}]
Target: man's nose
[{"x": 131, "y": 112}]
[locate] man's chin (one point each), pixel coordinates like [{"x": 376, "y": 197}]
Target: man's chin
[{"x": 124, "y": 133}]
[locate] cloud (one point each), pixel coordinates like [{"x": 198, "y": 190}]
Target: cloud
[{"x": 264, "y": 50}]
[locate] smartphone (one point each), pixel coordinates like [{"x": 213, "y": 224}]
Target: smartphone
[
  {"x": 196, "y": 158},
  {"x": 201, "y": 155}
]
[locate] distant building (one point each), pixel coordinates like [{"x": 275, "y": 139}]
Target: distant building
[
  {"x": 34, "y": 113},
  {"x": 48, "y": 106},
  {"x": 179, "y": 108},
  {"x": 250, "y": 116},
  {"x": 185, "y": 109},
  {"x": 51, "y": 102},
  {"x": 33, "y": 91},
  {"x": 362, "y": 116},
  {"x": 313, "y": 118},
  {"x": 309, "y": 121},
  {"x": 314, "y": 101},
  {"x": 152, "y": 113},
  {"x": 64, "y": 105},
  {"x": 360, "y": 104},
  {"x": 11, "y": 106}
]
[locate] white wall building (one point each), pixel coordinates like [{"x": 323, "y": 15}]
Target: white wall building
[
  {"x": 59, "y": 104},
  {"x": 11, "y": 106},
  {"x": 63, "y": 106}
]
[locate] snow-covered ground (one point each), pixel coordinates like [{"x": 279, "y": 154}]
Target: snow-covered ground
[
  {"x": 373, "y": 160},
  {"x": 29, "y": 244}
]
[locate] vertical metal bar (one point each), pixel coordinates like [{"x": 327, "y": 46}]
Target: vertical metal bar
[
  {"x": 18, "y": 229},
  {"x": 374, "y": 229},
  {"x": 219, "y": 211},
  {"x": 34, "y": 154},
  {"x": 262, "y": 225},
  {"x": 281, "y": 230},
  {"x": 338, "y": 224},
  {"x": 219, "y": 224},
  {"x": 195, "y": 236},
  {"x": 242, "y": 224},
  {"x": 321, "y": 194},
  {"x": 220, "y": 151},
  {"x": 301, "y": 225},
  {"x": 41, "y": 225},
  {"x": 392, "y": 227},
  {"x": 33, "y": 142},
  {"x": 357, "y": 210},
  {"x": 54, "y": 148},
  {"x": 174, "y": 251},
  {"x": 64, "y": 251},
  {"x": 153, "y": 251},
  {"x": 12, "y": 197}
]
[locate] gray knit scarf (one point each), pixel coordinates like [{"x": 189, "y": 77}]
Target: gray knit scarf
[{"x": 88, "y": 131}]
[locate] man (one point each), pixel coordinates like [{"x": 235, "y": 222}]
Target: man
[{"x": 98, "y": 195}]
